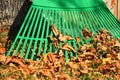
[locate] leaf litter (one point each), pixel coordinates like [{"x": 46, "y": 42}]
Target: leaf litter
[{"x": 100, "y": 57}]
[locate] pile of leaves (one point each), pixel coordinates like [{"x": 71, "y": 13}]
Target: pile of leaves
[{"x": 98, "y": 60}]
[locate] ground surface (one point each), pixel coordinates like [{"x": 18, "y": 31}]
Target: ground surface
[{"x": 100, "y": 60}]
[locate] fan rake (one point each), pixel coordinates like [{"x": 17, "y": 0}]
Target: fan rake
[{"x": 69, "y": 16}]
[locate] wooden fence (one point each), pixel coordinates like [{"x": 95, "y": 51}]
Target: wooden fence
[{"x": 114, "y": 6}]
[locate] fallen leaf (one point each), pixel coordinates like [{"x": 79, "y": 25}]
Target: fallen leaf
[
  {"x": 45, "y": 58},
  {"x": 118, "y": 56},
  {"x": 32, "y": 68},
  {"x": 118, "y": 65},
  {"x": 83, "y": 48},
  {"x": 2, "y": 50},
  {"x": 18, "y": 61},
  {"x": 8, "y": 59},
  {"x": 67, "y": 47},
  {"x": 3, "y": 40},
  {"x": 46, "y": 72},
  {"x": 12, "y": 65},
  {"x": 4, "y": 28},
  {"x": 8, "y": 78},
  {"x": 2, "y": 59},
  {"x": 104, "y": 60},
  {"x": 62, "y": 60},
  {"x": 26, "y": 70},
  {"x": 0, "y": 44},
  {"x": 117, "y": 77},
  {"x": 77, "y": 40},
  {"x": 84, "y": 65},
  {"x": 31, "y": 62},
  {"x": 85, "y": 71},
  {"x": 100, "y": 79},
  {"x": 52, "y": 39},
  {"x": 51, "y": 58},
  {"x": 104, "y": 48},
  {"x": 93, "y": 50},
  {"x": 64, "y": 77},
  {"x": 64, "y": 38},
  {"x": 88, "y": 55},
  {"x": 117, "y": 43},
  {"x": 61, "y": 53},
  {"x": 103, "y": 30},
  {"x": 73, "y": 65},
  {"x": 57, "y": 68},
  {"x": 55, "y": 31}
]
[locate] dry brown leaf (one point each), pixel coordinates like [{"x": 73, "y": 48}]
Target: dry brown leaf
[
  {"x": 31, "y": 62},
  {"x": 85, "y": 71},
  {"x": 118, "y": 56},
  {"x": 61, "y": 53},
  {"x": 118, "y": 64},
  {"x": 64, "y": 38},
  {"x": 8, "y": 59},
  {"x": 4, "y": 28},
  {"x": 83, "y": 48},
  {"x": 104, "y": 48},
  {"x": 117, "y": 43},
  {"x": 46, "y": 72},
  {"x": 12, "y": 65},
  {"x": 55, "y": 31},
  {"x": 62, "y": 60},
  {"x": 104, "y": 68},
  {"x": 3, "y": 40},
  {"x": 18, "y": 61},
  {"x": 88, "y": 55},
  {"x": 117, "y": 77},
  {"x": 67, "y": 47},
  {"x": 84, "y": 65},
  {"x": 32, "y": 68},
  {"x": 100, "y": 79},
  {"x": 57, "y": 68},
  {"x": 51, "y": 58},
  {"x": 103, "y": 36},
  {"x": 0, "y": 44},
  {"x": 77, "y": 40},
  {"x": 26, "y": 69},
  {"x": 64, "y": 77},
  {"x": 2, "y": 50},
  {"x": 8, "y": 78},
  {"x": 73, "y": 65},
  {"x": 52, "y": 39},
  {"x": 2, "y": 59},
  {"x": 93, "y": 50}
]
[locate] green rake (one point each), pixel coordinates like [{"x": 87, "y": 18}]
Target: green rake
[{"x": 69, "y": 17}]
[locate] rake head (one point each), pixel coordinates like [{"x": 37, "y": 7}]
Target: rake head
[{"x": 69, "y": 16}]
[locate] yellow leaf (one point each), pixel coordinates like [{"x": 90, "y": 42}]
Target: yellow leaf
[
  {"x": 104, "y": 60},
  {"x": 45, "y": 57}
]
